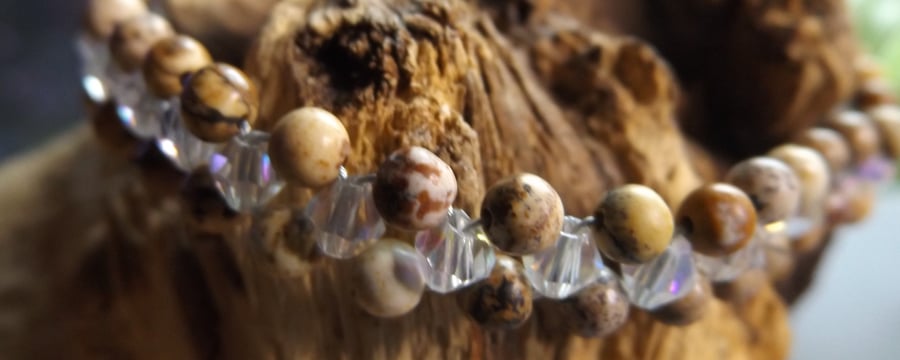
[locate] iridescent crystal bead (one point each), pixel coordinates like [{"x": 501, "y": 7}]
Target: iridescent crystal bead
[
  {"x": 665, "y": 279},
  {"x": 568, "y": 266},
  {"x": 94, "y": 56},
  {"x": 345, "y": 216},
  {"x": 877, "y": 169},
  {"x": 184, "y": 149},
  {"x": 243, "y": 172},
  {"x": 729, "y": 267},
  {"x": 457, "y": 253}
]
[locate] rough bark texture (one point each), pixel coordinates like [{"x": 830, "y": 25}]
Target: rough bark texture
[{"x": 99, "y": 264}]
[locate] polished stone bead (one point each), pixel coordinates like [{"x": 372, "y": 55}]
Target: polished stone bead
[
  {"x": 599, "y": 309},
  {"x": 522, "y": 214},
  {"x": 243, "y": 172},
  {"x": 414, "y": 188},
  {"x": 184, "y": 149},
  {"x": 663, "y": 280},
  {"x": 345, "y": 216},
  {"x": 572, "y": 263},
  {"x": 633, "y": 224},
  {"x": 388, "y": 279},
  {"x": 458, "y": 253},
  {"x": 503, "y": 300},
  {"x": 770, "y": 183}
]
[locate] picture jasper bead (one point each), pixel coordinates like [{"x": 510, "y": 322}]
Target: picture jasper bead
[
  {"x": 522, "y": 214},
  {"x": 812, "y": 173},
  {"x": 102, "y": 16},
  {"x": 689, "y": 308},
  {"x": 388, "y": 278},
  {"x": 718, "y": 219},
  {"x": 170, "y": 59},
  {"x": 308, "y": 147},
  {"x": 414, "y": 189},
  {"x": 887, "y": 119},
  {"x": 859, "y": 132},
  {"x": 597, "y": 310},
  {"x": 633, "y": 224},
  {"x": 771, "y": 186},
  {"x": 829, "y": 143},
  {"x": 132, "y": 39},
  {"x": 503, "y": 300},
  {"x": 216, "y": 100}
]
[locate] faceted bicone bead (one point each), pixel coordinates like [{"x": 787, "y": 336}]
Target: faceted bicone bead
[
  {"x": 345, "y": 216},
  {"x": 731, "y": 266},
  {"x": 456, "y": 253},
  {"x": 94, "y": 56},
  {"x": 877, "y": 169},
  {"x": 663, "y": 280},
  {"x": 184, "y": 149},
  {"x": 568, "y": 266},
  {"x": 243, "y": 172}
]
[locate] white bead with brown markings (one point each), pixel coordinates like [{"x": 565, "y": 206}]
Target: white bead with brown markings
[
  {"x": 170, "y": 59},
  {"x": 414, "y": 189},
  {"x": 308, "y": 147}
]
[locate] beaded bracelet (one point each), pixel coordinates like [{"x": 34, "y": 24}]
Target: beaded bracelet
[{"x": 165, "y": 89}]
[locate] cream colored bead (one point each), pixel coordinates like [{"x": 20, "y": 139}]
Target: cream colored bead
[
  {"x": 414, "y": 189},
  {"x": 887, "y": 118},
  {"x": 388, "y": 279},
  {"x": 633, "y": 224},
  {"x": 132, "y": 39},
  {"x": 829, "y": 143},
  {"x": 771, "y": 185},
  {"x": 812, "y": 172},
  {"x": 169, "y": 60},
  {"x": 216, "y": 100},
  {"x": 308, "y": 147},
  {"x": 522, "y": 214},
  {"x": 102, "y": 16},
  {"x": 859, "y": 131}
]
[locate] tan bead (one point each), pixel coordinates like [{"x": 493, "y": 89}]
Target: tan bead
[
  {"x": 859, "y": 203},
  {"x": 809, "y": 241},
  {"x": 633, "y": 224},
  {"x": 522, "y": 214},
  {"x": 308, "y": 147},
  {"x": 598, "y": 310},
  {"x": 388, "y": 280},
  {"x": 503, "y": 300},
  {"x": 887, "y": 119},
  {"x": 169, "y": 60},
  {"x": 102, "y": 16},
  {"x": 743, "y": 288},
  {"x": 718, "y": 219},
  {"x": 770, "y": 184},
  {"x": 414, "y": 189},
  {"x": 132, "y": 39},
  {"x": 859, "y": 132},
  {"x": 216, "y": 100},
  {"x": 812, "y": 173},
  {"x": 689, "y": 308},
  {"x": 830, "y": 144},
  {"x": 874, "y": 92}
]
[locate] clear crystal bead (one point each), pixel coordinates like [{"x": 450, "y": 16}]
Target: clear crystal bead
[
  {"x": 665, "y": 279},
  {"x": 243, "y": 171},
  {"x": 94, "y": 56},
  {"x": 567, "y": 267},
  {"x": 729, "y": 267},
  {"x": 877, "y": 169},
  {"x": 457, "y": 253},
  {"x": 346, "y": 219},
  {"x": 184, "y": 149}
]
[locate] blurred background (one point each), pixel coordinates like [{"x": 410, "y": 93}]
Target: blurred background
[{"x": 852, "y": 311}]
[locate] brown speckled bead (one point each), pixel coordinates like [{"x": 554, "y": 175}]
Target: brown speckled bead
[
  {"x": 132, "y": 39},
  {"x": 414, "y": 189},
  {"x": 770, "y": 184},
  {"x": 170, "y": 59},
  {"x": 812, "y": 173},
  {"x": 503, "y": 300},
  {"x": 308, "y": 147},
  {"x": 102, "y": 16},
  {"x": 633, "y": 224},
  {"x": 522, "y": 214},
  {"x": 829, "y": 143},
  {"x": 718, "y": 219},
  {"x": 887, "y": 119},
  {"x": 859, "y": 132},
  {"x": 387, "y": 279},
  {"x": 598, "y": 310},
  {"x": 216, "y": 100},
  {"x": 689, "y": 308}
]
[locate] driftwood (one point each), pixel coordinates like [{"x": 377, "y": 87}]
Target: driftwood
[{"x": 97, "y": 260}]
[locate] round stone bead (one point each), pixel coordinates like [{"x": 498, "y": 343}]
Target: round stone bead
[
  {"x": 388, "y": 279},
  {"x": 874, "y": 92},
  {"x": 132, "y": 39},
  {"x": 812, "y": 173},
  {"x": 522, "y": 214},
  {"x": 414, "y": 188},
  {"x": 887, "y": 119},
  {"x": 102, "y": 16},
  {"x": 633, "y": 224},
  {"x": 170, "y": 59},
  {"x": 308, "y": 147},
  {"x": 501, "y": 301},
  {"x": 216, "y": 100},
  {"x": 829, "y": 143},
  {"x": 597, "y": 310},
  {"x": 689, "y": 308},
  {"x": 743, "y": 288},
  {"x": 859, "y": 132},
  {"x": 718, "y": 219},
  {"x": 770, "y": 184}
]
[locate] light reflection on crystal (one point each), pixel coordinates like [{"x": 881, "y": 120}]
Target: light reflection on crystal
[
  {"x": 347, "y": 222},
  {"x": 729, "y": 267},
  {"x": 567, "y": 267},
  {"x": 457, "y": 253},
  {"x": 184, "y": 149},
  {"x": 665, "y": 279},
  {"x": 242, "y": 171}
]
